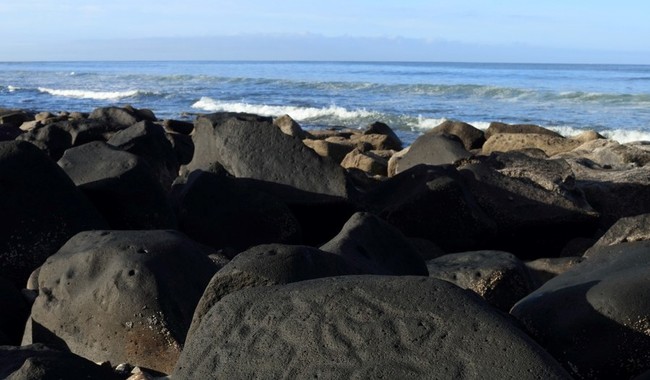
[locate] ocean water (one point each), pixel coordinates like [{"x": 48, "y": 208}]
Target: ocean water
[{"x": 410, "y": 97}]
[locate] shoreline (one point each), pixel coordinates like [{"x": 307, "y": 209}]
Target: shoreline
[{"x": 168, "y": 245}]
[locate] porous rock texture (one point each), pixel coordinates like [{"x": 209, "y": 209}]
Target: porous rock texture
[
  {"x": 498, "y": 277},
  {"x": 122, "y": 296},
  {"x": 360, "y": 327}
]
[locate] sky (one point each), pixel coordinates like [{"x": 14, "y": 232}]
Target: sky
[{"x": 559, "y": 31}]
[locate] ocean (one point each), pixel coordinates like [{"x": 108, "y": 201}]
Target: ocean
[{"x": 410, "y": 97}]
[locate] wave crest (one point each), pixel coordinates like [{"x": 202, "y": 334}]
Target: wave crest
[
  {"x": 87, "y": 94},
  {"x": 296, "y": 113}
]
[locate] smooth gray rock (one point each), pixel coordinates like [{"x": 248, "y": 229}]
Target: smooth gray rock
[
  {"x": 41, "y": 210},
  {"x": 121, "y": 296},
  {"x": 38, "y": 362},
  {"x": 472, "y": 138},
  {"x": 121, "y": 185},
  {"x": 600, "y": 304},
  {"x": 267, "y": 265},
  {"x": 432, "y": 149},
  {"x": 374, "y": 246},
  {"x": 250, "y": 146},
  {"x": 498, "y": 277},
  {"x": 361, "y": 327}
]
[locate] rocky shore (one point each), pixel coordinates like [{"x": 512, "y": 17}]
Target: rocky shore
[{"x": 241, "y": 246}]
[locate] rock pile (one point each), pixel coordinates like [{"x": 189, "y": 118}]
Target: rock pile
[{"x": 242, "y": 246}]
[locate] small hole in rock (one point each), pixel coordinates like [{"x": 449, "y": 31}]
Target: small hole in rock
[{"x": 131, "y": 272}]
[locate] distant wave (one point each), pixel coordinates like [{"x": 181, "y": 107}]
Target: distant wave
[
  {"x": 95, "y": 95},
  {"x": 297, "y": 113}
]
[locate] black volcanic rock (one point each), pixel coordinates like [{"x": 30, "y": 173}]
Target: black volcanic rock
[
  {"x": 38, "y": 362},
  {"x": 361, "y": 327},
  {"x": 121, "y": 185},
  {"x": 433, "y": 203},
  {"x": 498, "y": 277},
  {"x": 267, "y": 265},
  {"x": 374, "y": 246},
  {"x": 600, "y": 304},
  {"x": 250, "y": 146},
  {"x": 121, "y": 296},
  {"x": 221, "y": 211},
  {"x": 148, "y": 141},
  {"x": 41, "y": 210}
]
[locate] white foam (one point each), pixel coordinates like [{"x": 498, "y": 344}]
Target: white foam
[
  {"x": 296, "y": 113},
  {"x": 423, "y": 123},
  {"x": 12, "y": 88},
  {"x": 86, "y": 94},
  {"x": 625, "y": 136}
]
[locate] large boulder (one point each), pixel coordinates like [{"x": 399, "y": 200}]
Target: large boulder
[
  {"x": 615, "y": 193},
  {"x": 378, "y": 128},
  {"x": 148, "y": 141},
  {"x": 360, "y": 327},
  {"x": 433, "y": 203},
  {"x": 250, "y": 146},
  {"x": 267, "y": 265},
  {"x": 52, "y": 139},
  {"x": 432, "y": 149},
  {"x": 367, "y": 162},
  {"x": 39, "y": 362},
  {"x": 609, "y": 154},
  {"x": 290, "y": 127},
  {"x": 121, "y": 117},
  {"x": 41, "y": 210},
  {"x": 373, "y": 246},
  {"x": 14, "y": 118},
  {"x": 121, "y": 296},
  {"x": 498, "y": 277},
  {"x": 594, "y": 317},
  {"x": 221, "y": 211},
  {"x": 549, "y": 144},
  {"x": 535, "y": 204},
  {"x": 496, "y": 127},
  {"x": 121, "y": 185},
  {"x": 472, "y": 138}
]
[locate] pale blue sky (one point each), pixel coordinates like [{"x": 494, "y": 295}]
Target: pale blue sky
[{"x": 460, "y": 30}]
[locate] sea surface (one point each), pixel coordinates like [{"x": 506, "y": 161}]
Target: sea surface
[{"x": 410, "y": 97}]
